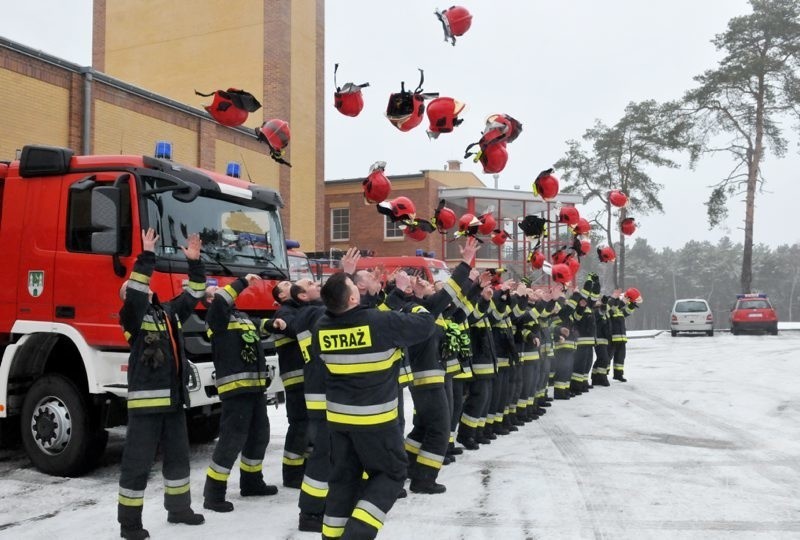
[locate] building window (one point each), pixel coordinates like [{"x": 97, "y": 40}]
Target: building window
[
  {"x": 340, "y": 224},
  {"x": 391, "y": 229}
]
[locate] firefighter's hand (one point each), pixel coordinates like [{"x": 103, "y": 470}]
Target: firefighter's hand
[
  {"x": 487, "y": 293},
  {"x": 536, "y": 342},
  {"x": 252, "y": 279},
  {"x": 616, "y": 293},
  {"x": 279, "y": 324},
  {"x": 473, "y": 274},
  {"x": 402, "y": 282},
  {"x": 469, "y": 249},
  {"x": 149, "y": 239},
  {"x": 485, "y": 278},
  {"x": 350, "y": 259},
  {"x": 565, "y": 331},
  {"x": 192, "y": 250}
]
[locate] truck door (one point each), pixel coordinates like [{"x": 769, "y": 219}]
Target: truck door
[{"x": 86, "y": 285}]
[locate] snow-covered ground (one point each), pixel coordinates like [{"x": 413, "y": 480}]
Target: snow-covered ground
[{"x": 702, "y": 442}]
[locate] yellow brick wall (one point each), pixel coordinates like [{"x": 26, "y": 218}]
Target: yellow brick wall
[
  {"x": 34, "y": 108},
  {"x": 191, "y": 45},
  {"x": 261, "y": 168},
  {"x": 122, "y": 131}
]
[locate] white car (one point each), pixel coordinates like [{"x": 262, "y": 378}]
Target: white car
[{"x": 691, "y": 315}]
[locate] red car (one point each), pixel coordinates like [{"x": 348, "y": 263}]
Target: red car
[{"x": 753, "y": 313}]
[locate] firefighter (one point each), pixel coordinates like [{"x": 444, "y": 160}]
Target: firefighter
[
  {"x": 290, "y": 366},
  {"x": 621, "y": 308},
  {"x": 603, "y": 333},
  {"x": 241, "y": 381},
  {"x": 585, "y": 338},
  {"x": 157, "y": 379},
  {"x": 361, "y": 348},
  {"x": 563, "y": 345}
]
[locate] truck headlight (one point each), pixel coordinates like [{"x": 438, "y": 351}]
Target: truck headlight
[{"x": 194, "y": 378}]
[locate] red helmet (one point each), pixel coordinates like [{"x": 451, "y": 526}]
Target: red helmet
[
  {"x": 537, "y": 259},
  {"x": 585, "y": 247},
  {"x": 231, "y": 107},
  {"x": 509, "y": 126},
  {"x": 569, "y": 215},
  {"x": 633, "y": 294},
  {"x": 606, "y": 254},
  {"x": 468, "y": 224},
  {"x": 348, "y": 99},
  {"x": 499, "y": 237},
  {"x": 276, "y": 134},
  {"x": 582, "y": 227},
  {"x": 628, "y": 226},
  {"x": 376, "y": 186},
  {"x": 444, "y": 218},
  {"x": 488, "y": 223},
  {"x": 561, "y": 273},
  {"x": 574, "y": 265},
  {"x": 415, "y": 233},
  {"x": 546, "y": 185},
  {"x": 398, "y": 209},
  {"x": 559, "y": 256},
  {"x": 617, "y": 198},
  {"x": 493, "y": 158},
  {"x": 455, "y": 20},
  {"x": 405, "y": 109},
  {"x": 443, "y": 115}
]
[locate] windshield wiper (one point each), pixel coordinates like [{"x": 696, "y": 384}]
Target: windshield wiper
[{"x": 216, "y": 259}]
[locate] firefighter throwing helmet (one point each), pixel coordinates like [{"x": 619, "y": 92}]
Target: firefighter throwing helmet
[
  {"x": 405, "y": 109},
  {"x": 275, "y": 133},
  {"x": 376, "y": 186},
  {"x": 455, "y": 20},
  {"x": 231, "y": 107},
  {"x": 443, "y": 115},
  {"x": 348, "y": 99}
]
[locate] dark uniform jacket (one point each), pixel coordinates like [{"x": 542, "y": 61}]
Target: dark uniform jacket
[
  {"x": 157, "y": 367},
  {"x": 303, "y": 326},
  {"x": 361, "y": 349},
  {"x": 290, "y": 358},
  {"x": 619, "y": 311},
  {"x": 236, "y": 344}
]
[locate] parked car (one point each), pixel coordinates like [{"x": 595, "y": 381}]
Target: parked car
[
  {"x": 691, "y": 315},
  {"x": 753, "y": 313}
]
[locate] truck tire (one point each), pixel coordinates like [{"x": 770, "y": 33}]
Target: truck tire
[{"x": 59, "y": 430}]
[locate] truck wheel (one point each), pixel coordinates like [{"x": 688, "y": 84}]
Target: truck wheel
[
  {"x": 58, "y": 430},
  {"x": 202, "y": 429}
]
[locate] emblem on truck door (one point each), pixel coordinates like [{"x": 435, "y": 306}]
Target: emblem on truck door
[{"x": 35, "y": 282}]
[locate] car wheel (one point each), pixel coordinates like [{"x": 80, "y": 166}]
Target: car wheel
[
  {"x": 59, "y": 430},
  {"x": 674, "y": 333},
  {"x": 709, "y": 332},
  {"x": 774, "y": 331}
]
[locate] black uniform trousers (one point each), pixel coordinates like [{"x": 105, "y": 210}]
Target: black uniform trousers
[
  {"x": 448, "y": 392},
  {"x": 515, "y": 390},
  {"x": 476, "y": 406},
  {"x": 499, "y": 402},
  {"x": 357, "y": 509},
  {"x": 144, "y": 434},
  {"x": 296, "y": 444},
  {"x": 243, "y": 427},
  {"x": 601, "y": 359},
  {"x": 617, "y": 354},
  {"x": 530, "y": 375},
  {"x": 314, "y": 489},
  {"x": 428, "y": 439},
  {"x": 459, "y": 388}
]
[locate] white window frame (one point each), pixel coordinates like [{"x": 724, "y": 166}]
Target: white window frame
[
  {"x": 386, "y": 223},
  {"x": 333, "y": 228}
]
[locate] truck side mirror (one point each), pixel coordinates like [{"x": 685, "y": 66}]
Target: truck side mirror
[
  {"x": 105, "y": 220},
  {"x": 186, "y": 194}
]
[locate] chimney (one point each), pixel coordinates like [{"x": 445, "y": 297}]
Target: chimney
[{"x": 453, "y": 165}]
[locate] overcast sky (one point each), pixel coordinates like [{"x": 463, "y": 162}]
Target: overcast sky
[{"x": 555, "y": 66}]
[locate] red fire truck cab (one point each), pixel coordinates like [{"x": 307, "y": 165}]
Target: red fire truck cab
[{"x": 69, "y": 235}]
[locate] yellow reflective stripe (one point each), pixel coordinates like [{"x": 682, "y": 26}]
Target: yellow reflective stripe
[
  {"x": 231, "y": 291},
  {"x": 176, "y": 490},
  {"x": 332, "y": 532},
  {"x": 293, "y": 380},
  {"x": 130, "y": 501},
  {"x": 422, "y": 460},
  {"x": 149, "y": 402},
  {"x": 295, "y": 462},
  {"x": 313, "y": 491},
  {"x": 428, "y": 380},
  {"x": 141, "y": 278},
  {"x": 283, "y": 341},
  {"x": 222, "y": 477},
  {"x": 127, "y": 335},
  {"x": 411, "y": 449},
  {"x": 153, "y": 327},
  {"x": 246, "y": 383},
  {"x": 239, "y": 325},
  {"x": 250, "y": 468},
  {"x": 315, "y": 405},
  {"x": 361, "y": 420},
  {"x": 364, "y": 367},
  {"x": 367, "y": 518},
  {"x": 469, "y": 421}
]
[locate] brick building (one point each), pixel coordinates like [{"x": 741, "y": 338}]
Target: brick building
[{"x": 141, "y": 90}]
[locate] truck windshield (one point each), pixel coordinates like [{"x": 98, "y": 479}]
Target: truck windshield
[
  {"x": 299, "y": 267},
  {"x": 239, "y": 235}
]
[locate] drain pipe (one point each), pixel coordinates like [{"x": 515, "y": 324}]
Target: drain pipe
[{"x": 86, "y": 127}]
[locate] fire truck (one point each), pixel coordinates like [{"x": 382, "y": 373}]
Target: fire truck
[{"x": 69, "y": 235}]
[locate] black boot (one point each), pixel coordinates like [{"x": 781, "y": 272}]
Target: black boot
[
  {"x": 604, "y": 380},
  {"x": 310, "y": 523},
  {"x": 134, "y": 533},
  {"x": 561, "y": 393},
  {"x": 619, "y": 377},
  {"x": 427, "y": 486},
  {"x": 448, "y": 459},
  {"x": 455, "y": 450},
  {"x": 257, "y": 489},
  {"x": 403, "y": 493},
  {"x": 187, "y": 517},
  {"x": 468, "y": 442},
  {"x": 218, "y": 506}
]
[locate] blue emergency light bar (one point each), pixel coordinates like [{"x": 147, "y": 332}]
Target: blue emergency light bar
[
  {"x": 751, "y": 295},
  {"x": 163, "y": 150},
  {"x": 234, "y": 169},
  {"x": 292, "y": 244}
]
